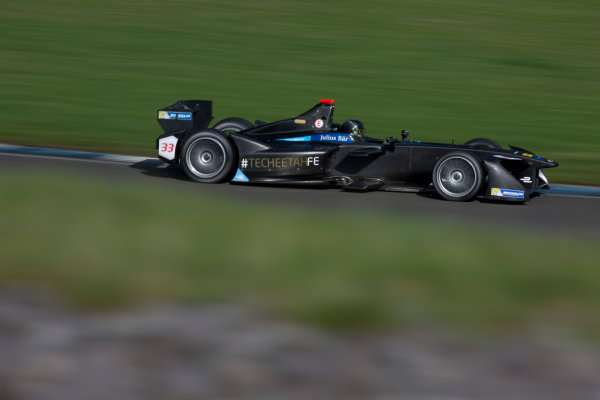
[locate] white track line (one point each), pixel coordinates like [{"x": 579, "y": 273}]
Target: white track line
[{"x": 73, "y": 154}]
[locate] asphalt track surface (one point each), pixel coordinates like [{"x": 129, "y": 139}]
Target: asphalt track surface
[{"x": 564, "y": 210}]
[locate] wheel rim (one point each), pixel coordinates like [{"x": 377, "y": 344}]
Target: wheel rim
[
  {"x": 456, "y": 176},
  {"x": 205, "y": 157}
]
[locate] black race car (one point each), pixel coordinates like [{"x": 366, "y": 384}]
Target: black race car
[{"x": 310, "y": 149}]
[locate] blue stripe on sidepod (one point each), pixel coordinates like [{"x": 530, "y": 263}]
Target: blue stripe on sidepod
[
  {"x": 322, "y": 137},
  {"x": 296, "y": 139}
]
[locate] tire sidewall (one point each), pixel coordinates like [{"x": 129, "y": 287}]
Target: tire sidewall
[
  {"x": 477, "y": 168},
  {"x": 483, "y": 143},
  {"x": 227, "y": 146},
  {"x": 235, "y": 124}
]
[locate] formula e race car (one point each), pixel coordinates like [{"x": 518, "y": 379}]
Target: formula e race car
[{"x": 310, "y": 149}]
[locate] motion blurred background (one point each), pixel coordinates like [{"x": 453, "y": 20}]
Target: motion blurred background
[{"x": 91, "y": 75}]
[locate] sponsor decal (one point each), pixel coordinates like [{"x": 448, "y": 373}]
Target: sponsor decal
[
  {"x": 185, "y": 116},
  {"x": 166, "y": 147},
  {"x": 319, "y": 123},
  {"x": 300, "y": 121},
  {"x": 240, "y": 177},
  {"x": 332, "y": 137},
  {"x": 527, "y": 154},
  {"x": 167, "y": 115},
  {"x": 280, "y": 162},
  {"x": 514, "y": 194},
  {"x": 525, "y": 179}
]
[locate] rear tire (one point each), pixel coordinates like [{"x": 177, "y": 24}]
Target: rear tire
[
  {"x": 457, "y": 176},
  {"x": 233, "y": 124},
  {"x": 208, "y": 156},
  {"x": 483, "y": 143}
]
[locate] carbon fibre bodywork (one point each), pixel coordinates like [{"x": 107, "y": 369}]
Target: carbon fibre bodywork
[{"x": 310, "y": 149}]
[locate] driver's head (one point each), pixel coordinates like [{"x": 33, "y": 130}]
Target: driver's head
[{"x": 353, "y": 126}]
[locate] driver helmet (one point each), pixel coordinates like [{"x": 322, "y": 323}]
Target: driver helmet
[{"x": 354, "y": 127}]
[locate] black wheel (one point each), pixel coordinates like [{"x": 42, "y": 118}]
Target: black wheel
[
  {"x": 208, "y": 156},
  {"x": 457, "y": 176},
  {"x": 483, "y": 143},
  {"x": 233, "y": 124}
]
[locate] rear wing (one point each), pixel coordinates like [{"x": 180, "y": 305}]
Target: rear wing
[{"x": 185, "y": 116}]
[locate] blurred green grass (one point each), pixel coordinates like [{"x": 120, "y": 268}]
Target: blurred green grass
[
  {"x": 90, "y": 75},
  {"x": 107, "y": 244}
]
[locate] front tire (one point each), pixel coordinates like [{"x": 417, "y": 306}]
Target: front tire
[
  {"x": 483, "y": 143},
  {"x": 457, "y": 176},
  {"x": 208, "y": 157}
]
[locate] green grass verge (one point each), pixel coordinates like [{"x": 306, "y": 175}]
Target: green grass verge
[
  {"x": 91, "y": 74},
  {"x": 101, "y": 244}
]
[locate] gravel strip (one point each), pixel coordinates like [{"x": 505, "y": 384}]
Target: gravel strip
[{"x": 235, "y": 352}]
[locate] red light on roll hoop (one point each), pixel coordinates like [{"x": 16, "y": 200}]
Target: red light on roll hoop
[{"x": 328, "y": 101}]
